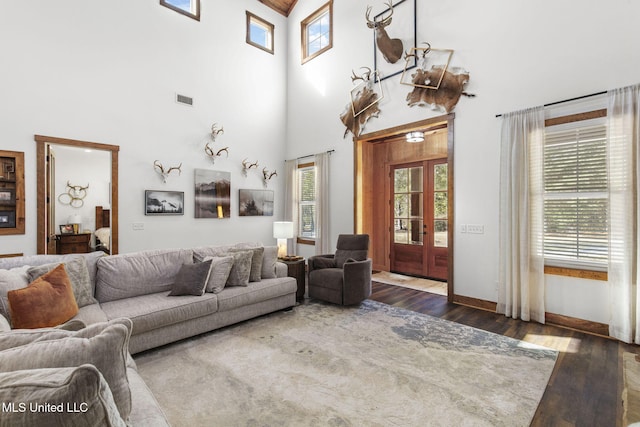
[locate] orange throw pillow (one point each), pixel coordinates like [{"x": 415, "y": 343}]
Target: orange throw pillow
[{"x": 45, "y": 302}]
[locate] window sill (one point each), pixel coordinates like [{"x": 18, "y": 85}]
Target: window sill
[
  {"x": 574, "y": 272},
  {"x": 304, "y": 241}
]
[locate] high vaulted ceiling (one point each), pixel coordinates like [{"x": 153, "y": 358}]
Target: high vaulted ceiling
[{"x": 282, "y": 6}]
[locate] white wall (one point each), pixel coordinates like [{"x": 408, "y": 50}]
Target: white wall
[
  {"x": 108, "y": 71},
  {"x": 519, "y": 55},
  {"x": 78, "y": 167}
]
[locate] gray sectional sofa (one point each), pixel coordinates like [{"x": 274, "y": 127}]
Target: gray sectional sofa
[{"x": 135, "y": 290}]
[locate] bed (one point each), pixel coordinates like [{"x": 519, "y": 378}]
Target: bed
[{"x": 103, "y": 229}]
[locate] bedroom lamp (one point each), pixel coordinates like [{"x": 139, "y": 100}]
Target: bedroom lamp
[
  {"x": 76, "y": 221},
  {"x": 282, "y": 230}
]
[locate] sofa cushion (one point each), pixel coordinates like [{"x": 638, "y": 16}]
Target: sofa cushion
[
  {"x": 235, "y": 297},
  {"x": 191, "y": 279},
  {"x": 139, "y": 273},
  {"x": 78, "y": 275},
  {"x": 14, "y": 278},
  {"x": 4, "y": 324},
  {"x": 220, "y": 269},
  {"x": 154, "y": 311},
  {"x": 103, "y": 345},
  {"x": 255, "y": 274},
  {"x": 80, "y": 395},
  {"x": 241, "y": 269},
  {"x": 47, "y": 301}
]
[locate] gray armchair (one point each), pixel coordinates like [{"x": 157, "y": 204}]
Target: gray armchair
[{"x": 344, "y": 277}]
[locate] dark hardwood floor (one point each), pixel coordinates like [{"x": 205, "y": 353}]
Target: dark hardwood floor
[{"x": 586, "y": 385}]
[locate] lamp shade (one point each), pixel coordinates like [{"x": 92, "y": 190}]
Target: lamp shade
[
  {"x": 283, "y": 229},
  {"x": 74, "y": 219}
]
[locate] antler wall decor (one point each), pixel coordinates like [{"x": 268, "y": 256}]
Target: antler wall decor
[
  {"x": 267, "y": 175},
  {"x": 165, "y": 173},
  {"x": 215, "y": 131},
  {"x": 74, "y": 195},
  {"x": 246, "y": 166},
  {"x": 364, "y": 100}
]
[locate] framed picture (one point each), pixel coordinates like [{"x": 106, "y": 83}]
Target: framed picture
[
  {"x": 212, "y": 194},
  {"x": 7, "y": 219},
  {"x": 163, "y": 202},
  {"x": 256, "y": 202},
  {"x": 357, "y": 107},
  {"x": 66, "y": 228},
  {"x": 436, "y": 61},
  {"x": 403, "y": 27},
  {"x": 7, "y": 196}
]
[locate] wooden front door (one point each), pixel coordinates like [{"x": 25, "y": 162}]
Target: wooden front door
[{"x": 419, "y": 214}]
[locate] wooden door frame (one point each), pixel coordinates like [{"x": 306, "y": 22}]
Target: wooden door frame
[
  {"x": 362, "y": 177},
  {"x": 41, "y": 142}
]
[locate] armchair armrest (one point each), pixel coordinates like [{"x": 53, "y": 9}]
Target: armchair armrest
[
  {"x": 357, "y": 280},
  {"x": 322, "y": 262}
]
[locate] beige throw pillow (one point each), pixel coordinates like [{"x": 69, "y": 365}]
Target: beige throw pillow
[{"x": 220, "y": 269}]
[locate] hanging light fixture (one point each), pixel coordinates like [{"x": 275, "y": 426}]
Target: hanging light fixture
[{"x": 416, "y": 136}]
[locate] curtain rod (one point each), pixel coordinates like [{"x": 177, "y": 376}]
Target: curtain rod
[
  {"x": 311, "y": 155},
  {"x": 569, "y": 100}
]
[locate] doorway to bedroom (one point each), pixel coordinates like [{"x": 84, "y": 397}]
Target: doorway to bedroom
[{"x": 404, "y": 201}]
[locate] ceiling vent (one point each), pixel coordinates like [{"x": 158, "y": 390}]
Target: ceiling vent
[{"x": 183, "y": 99}]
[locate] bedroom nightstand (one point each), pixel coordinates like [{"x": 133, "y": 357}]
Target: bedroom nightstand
[
  {"x": 297, "y": 270},
  {"x": 73, "y": 243}
]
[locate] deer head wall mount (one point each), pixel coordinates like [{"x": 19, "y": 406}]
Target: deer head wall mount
[
  {"x": 364, "y": 99},
  {"x": 165, "y": 173},
  {"x": 391, "y": 49},
  {"x": 215, "y": 131}
]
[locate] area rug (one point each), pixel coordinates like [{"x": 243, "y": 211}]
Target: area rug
[
  {"x": 372, "y": 365},
  {"x": 631, "y": 391}
]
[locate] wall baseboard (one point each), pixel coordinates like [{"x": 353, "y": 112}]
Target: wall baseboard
[{"x": 580, "y": 325}]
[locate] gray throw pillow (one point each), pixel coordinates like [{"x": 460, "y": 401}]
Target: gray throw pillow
[
  {"x": 256, "y": 262},
  {"x": 78, "y": 275},
  {"x": 107, "y": 350},
  {"x": 191, "y": 279},
  {"x": 269, "y": 260},
  {"x": 81, "y": 392},
  {"x": 241, "y": 270},
  {"x": 15, "y": 278},
  {"x": 220, "y": 269}
]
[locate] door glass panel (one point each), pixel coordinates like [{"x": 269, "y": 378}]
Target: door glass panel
[
  {"x": 401, "y": 232},
  {"x": 416, "y": 179},
  {"x": 440, "y": 235},
  {"x": 440, "y": 205},
  {"x": 440, "y": 177},
  {"x": 415, "y": 231},
  {"x": 408, "y": 206}
]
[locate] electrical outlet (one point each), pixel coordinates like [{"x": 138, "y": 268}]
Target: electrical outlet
[
  {"x": 475, "y": 228},
  {"x": 138, "y": 226}
]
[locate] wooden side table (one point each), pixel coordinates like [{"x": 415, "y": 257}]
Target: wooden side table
[
  {"x": 297, "y": 270},
  {"x": 73, "y": 243}
]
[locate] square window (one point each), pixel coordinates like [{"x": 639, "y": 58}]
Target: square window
[
  {"x": 190, "y": 8},
  {"x": 317, "y": 34},
  {"x": 259, "y": 33}
]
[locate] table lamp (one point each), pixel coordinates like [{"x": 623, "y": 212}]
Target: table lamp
[
  {"x": 282, "y": 230},
  {"x": 76, "y": 221}
]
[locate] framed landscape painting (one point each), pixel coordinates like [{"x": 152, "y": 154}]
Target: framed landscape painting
[
  {"x": 256, "y": 203},
  {"x": 212, "y": 194},
  {"x": 163, "y": 202}
]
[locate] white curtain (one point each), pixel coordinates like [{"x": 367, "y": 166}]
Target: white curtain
[
  {"x": 521, "y": 257},
  {"x": 623, "y": 123},
  {"x": 291, "y": 200},
  {"x": 322, "y": 203}
]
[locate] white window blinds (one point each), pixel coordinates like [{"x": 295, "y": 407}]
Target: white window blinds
[{"x": 576, "y": 195}]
